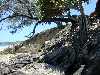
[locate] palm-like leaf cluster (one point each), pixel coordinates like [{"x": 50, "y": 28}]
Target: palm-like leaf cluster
[{"x": 20, "y": 13}]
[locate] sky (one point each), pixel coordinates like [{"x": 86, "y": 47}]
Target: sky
[
  {"x": 20, "y": 35},
  {"x": 5, "y": 36}
]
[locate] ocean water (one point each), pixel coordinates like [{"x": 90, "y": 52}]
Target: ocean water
[{"x": 2, "y": 48}]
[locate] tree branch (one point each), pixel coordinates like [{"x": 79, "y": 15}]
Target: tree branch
[
  {"x": 71, "y": 19},
  {"x": 58, "y": 20},
  {"x": 16, "y": 15}
]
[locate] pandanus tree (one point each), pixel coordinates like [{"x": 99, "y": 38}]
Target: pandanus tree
[
  {"x": 21, "y": 13},
  {"x": 26, "y": 12}
]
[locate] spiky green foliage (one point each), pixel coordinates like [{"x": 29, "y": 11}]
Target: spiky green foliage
[
  {"x": 20, "y": 13},
  {"x": 54, "y": 8}
]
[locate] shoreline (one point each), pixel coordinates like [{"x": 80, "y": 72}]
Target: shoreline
[{"x": 3, "y": 47}]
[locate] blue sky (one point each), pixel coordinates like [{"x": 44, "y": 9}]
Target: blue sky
[{"x": 20, "y": 35}]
